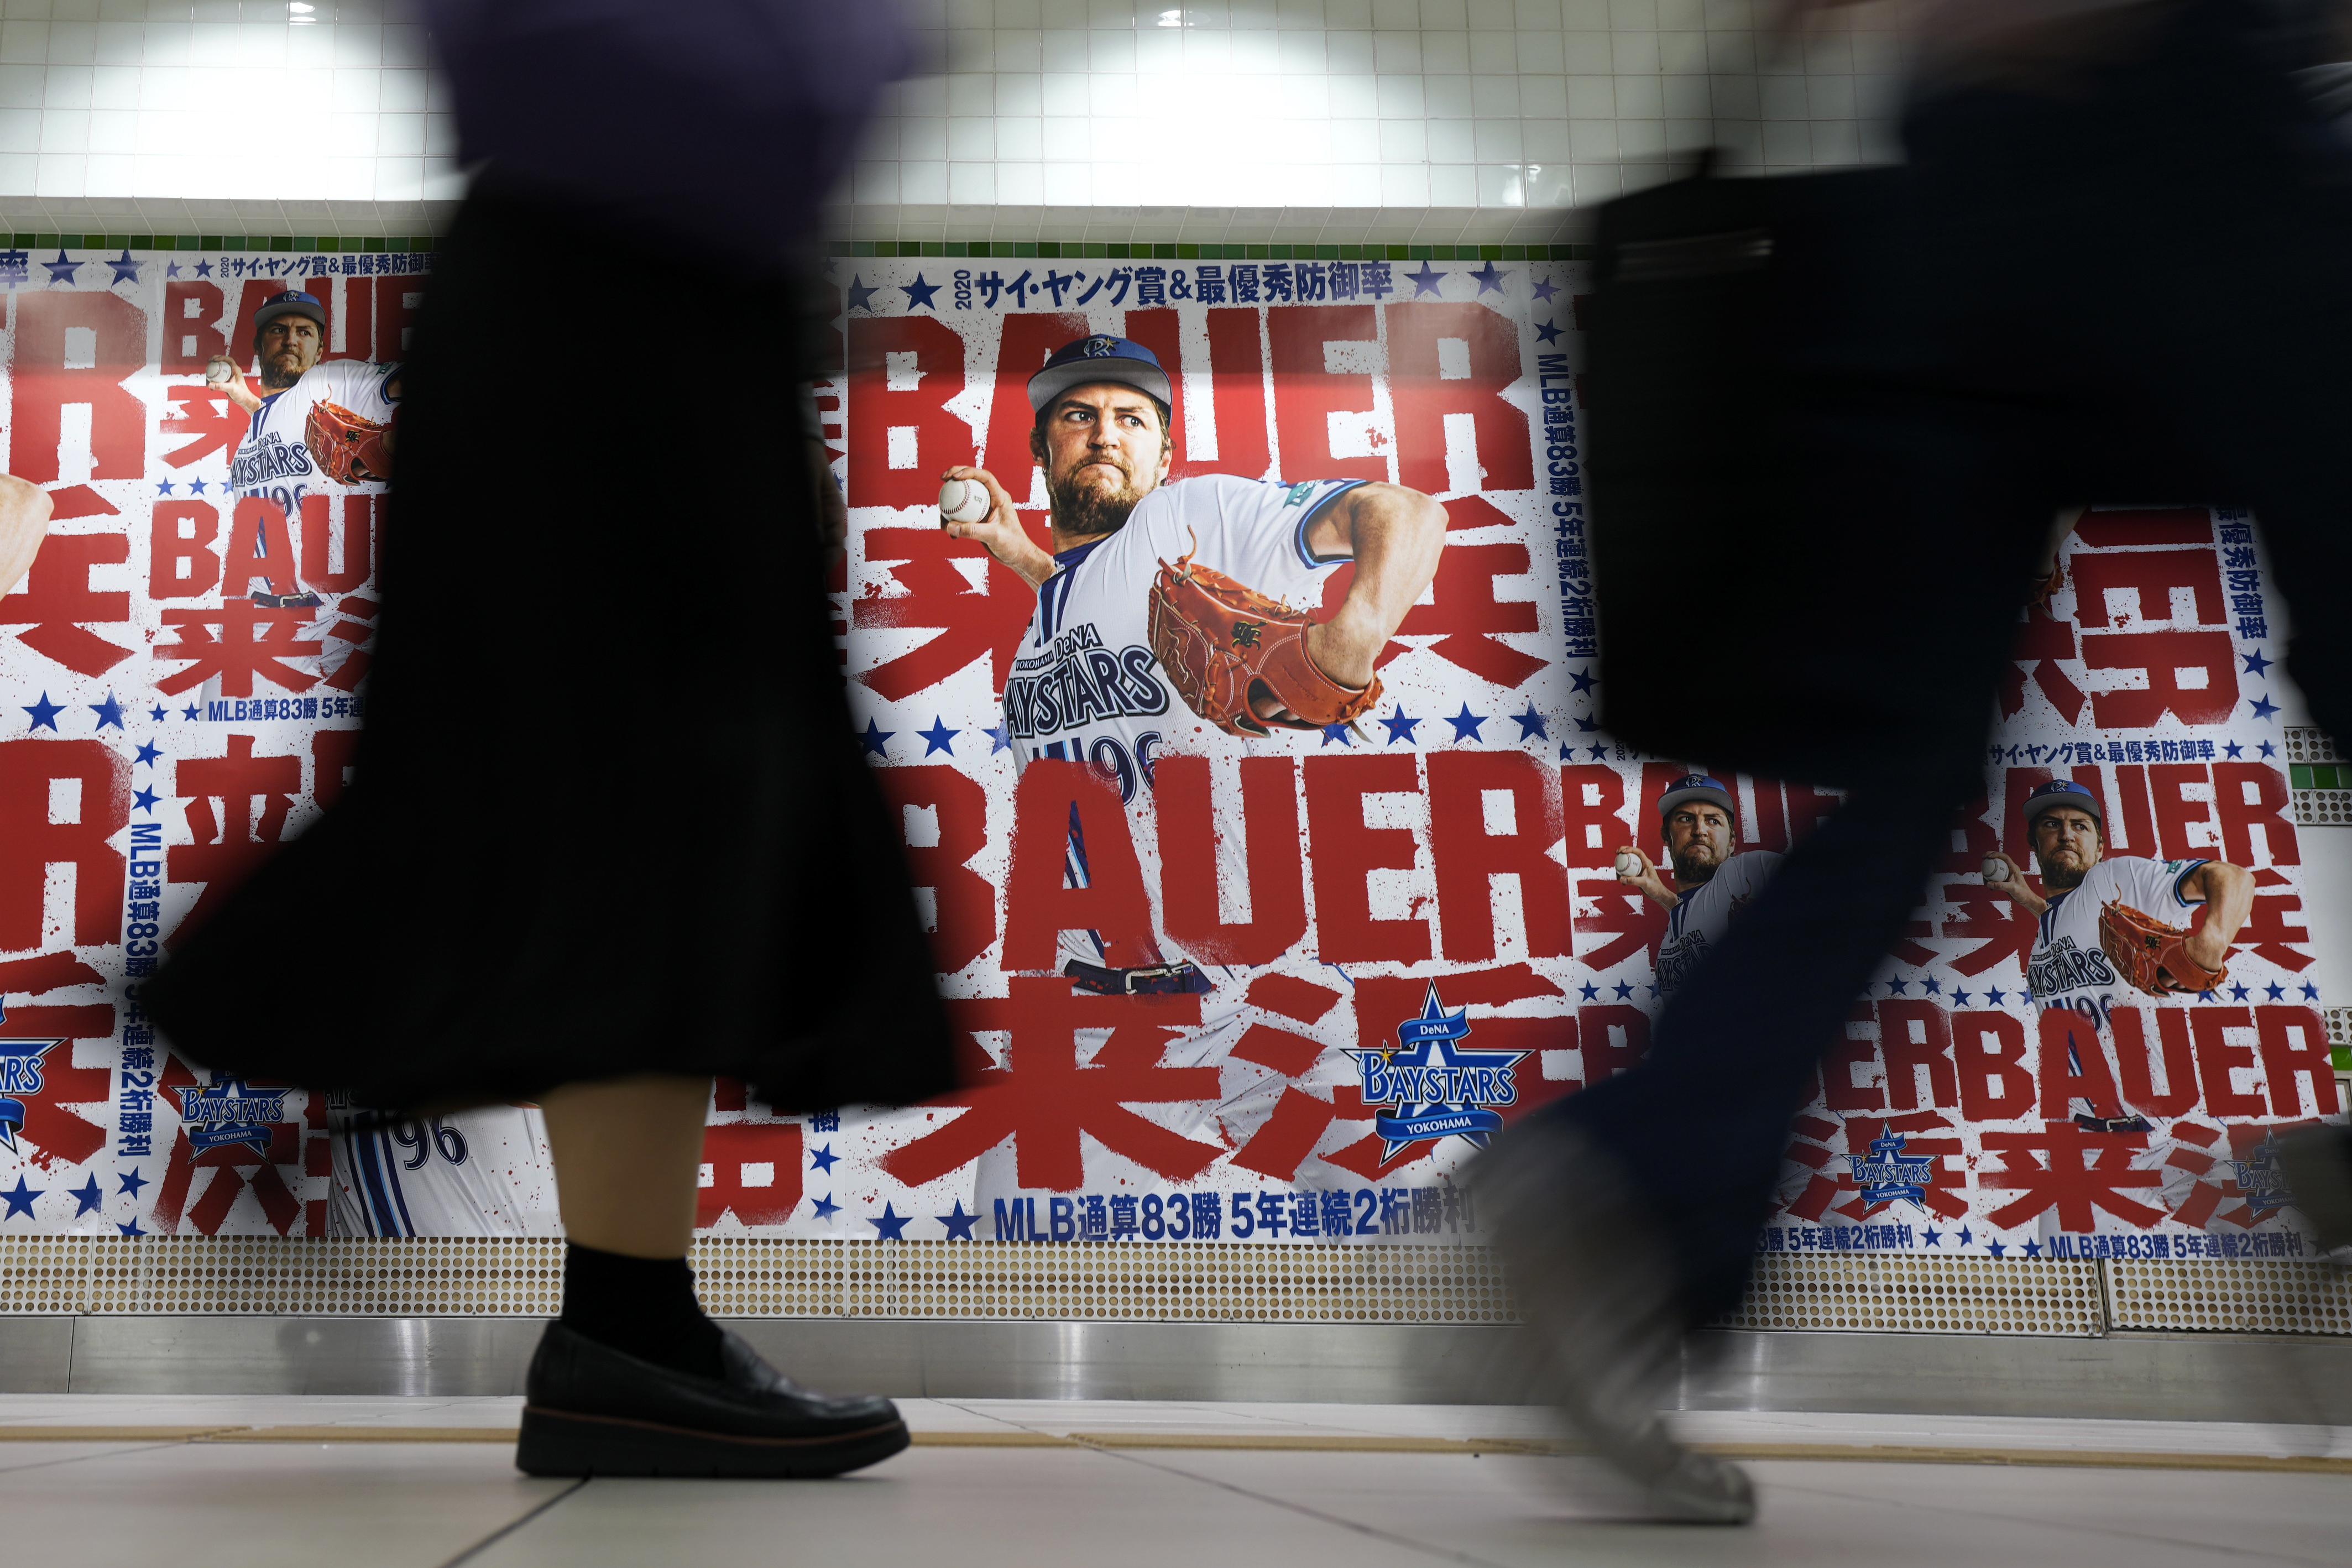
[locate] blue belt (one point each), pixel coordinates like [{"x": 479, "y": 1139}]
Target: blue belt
[{"x": 1158, "y": 980}]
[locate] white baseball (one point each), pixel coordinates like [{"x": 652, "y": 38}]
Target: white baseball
[
  {"x": 1996, "y": 868},
  {"x": 220, "y": 373},
  {"x": 1628, "y": 863},
  {"x": 964, "y": 500}
]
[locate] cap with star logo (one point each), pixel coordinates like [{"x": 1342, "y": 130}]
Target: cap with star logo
[{"x": 1121, "y": 361}]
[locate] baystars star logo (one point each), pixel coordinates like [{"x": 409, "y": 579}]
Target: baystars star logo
[
  {"x": 1886, "y": 1177},
  {"x": 1429, "y": 1088},
  {"x": 2261, "y": 1180},
  {"x": 229, "y": 1111},
  {"x": 20, "y": 1074}
]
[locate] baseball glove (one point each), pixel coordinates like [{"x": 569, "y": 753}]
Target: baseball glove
[
  {"x": 347, "y": 449},
  {"x": 2152, "y": 955},
  {"x": 1223, "y": 642}
]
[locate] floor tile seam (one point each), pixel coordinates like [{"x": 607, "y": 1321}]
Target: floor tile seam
[
  {"x": 2231, "y": 1552},
  {"x": 1357, "y": 1527},
  {"x": 112, "y": 1453},
  {"x": 513, "y": 1525}
]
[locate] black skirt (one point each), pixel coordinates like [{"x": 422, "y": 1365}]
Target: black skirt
[{"x": 608, "y": 813}]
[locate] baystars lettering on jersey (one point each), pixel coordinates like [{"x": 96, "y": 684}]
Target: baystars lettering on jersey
[
  {"x": 2068, "y": 968},
  {"x": 1694, "y": 925},
  {"x": 1085, "y": 686},
  {"x": 273, "y": 460}
]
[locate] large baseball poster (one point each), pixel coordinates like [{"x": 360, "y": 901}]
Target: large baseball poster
[{"x": 1241, "y": 727}]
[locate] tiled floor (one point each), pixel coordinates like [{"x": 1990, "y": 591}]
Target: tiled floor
[{"x": 356, "y": 1504}]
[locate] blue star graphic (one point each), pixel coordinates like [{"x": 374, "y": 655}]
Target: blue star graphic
[
  {"x": 938, "y": 737},
  {"x": 1898, "y": 987},
  {"x": 1959, "y": 998},
  {"x": 1465, "y": 723},
  {"x": 891, "y": 1227},
  {"x": 195, "y": 487},
  {"x": 1531, "y": 723},
  {"x": 860, "y": 296},
  {"x": 1623, "y": 991},
  {"x": 2264, "y": 708},
  {"x": 1591, "y": 992},
  {"x": 1932, "y": 986},
  {"x": 2237, "y": 991},
  {"x": 157, "y": 713},
  {"x": 959, "y": 1223},
  {"x": 204, "y": 268},
  {"x": 164, "y": 487},
  {"x": 45, "y": 712},
  {"x": 1400, "y": 725},
  {"x": 920, "y": 292},
  {"x": 2232, "y": 750},
  {"x": 2256, "y": 664},
  {"x": 131, "y": 1182},
  {"x": 1965, "y": 1236},
  {"x": 189, "y": 712},
  {"x": 63, "y": 268},
  {"x": 1431, "y": 1046},
  {"x": 1588, "y": 726},
  {"x": 108, "y": 711},
  {"x": 1567, "y": 754},
  {"x": 87, "y": 1195},
  {"x": 1579, "y": 680},
  {"x": 1599, "y": 753},
  {"x": 145, "y": 800},
  {"x": 2274, "y": 990},
  {"x": 1996, "y": 1248},
  {"x": 2267, "y": 749},
  {"x": 998, "y": 739},
  {"x": 2033, "y": 1249},
  {"x": 125, "y": 270},
  {"x": 1653, "y": 988},
  {"x": 1339, "y": 732},
  {"x": 2310, "y": 992},
  {"x": 875, "y": 737},
  {"x": 20, "y": 1202},
  {"x": 1933, "y": 1237},
  {"x": 1490, "y": 279},
  {"x": 171, "y": 269},
  {"x": 821, "y": 1159},
  {"x": 825, "y": 1207},
  {"x": 148, "y": 751},
  {"x": 1425, "y": 282},
  {"x": 1546, "y": 332},
  {"x": 1998, "y": 998},
  {"x": 128, "y": 1227},
  {"x": 1544, "y": 290}
]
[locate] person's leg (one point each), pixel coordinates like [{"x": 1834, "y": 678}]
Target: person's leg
[{"x": 626, "y": 1155}]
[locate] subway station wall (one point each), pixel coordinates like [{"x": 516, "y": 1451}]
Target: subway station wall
[{"x": 1340, "y": 958}]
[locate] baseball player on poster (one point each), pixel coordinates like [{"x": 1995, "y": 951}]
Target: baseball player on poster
[
  {"x": 2105, "y": 922},
  {"x": 1713, "y": 881},
  {"x": 321, "y": 427},
  {"x": 1161, "y": 597}
]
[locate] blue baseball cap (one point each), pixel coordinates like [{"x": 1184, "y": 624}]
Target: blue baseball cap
[
  {"x": 1698, "y": 786},
  {"x": 293, "y": 303},
  {"x": 2062, "y": 792},
  {"x": 1098, "y": 358}
]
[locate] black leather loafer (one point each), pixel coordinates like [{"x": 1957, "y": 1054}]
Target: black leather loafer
[{"x": 594, "y": 1411}]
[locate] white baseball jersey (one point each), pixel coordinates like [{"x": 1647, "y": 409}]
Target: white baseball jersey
[
  {"x": 1696, "y": 925},
  {"x": 1084, "y": 685},
  {"x": 274, "y": 463},
  {"x": 484, "y": 1172},
  {"x": 2068, "y": 967}
]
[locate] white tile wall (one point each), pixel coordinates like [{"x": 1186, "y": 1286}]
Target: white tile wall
[
  {"x": 235, "y": 116},
  {"x": 1442, "y": 119}
]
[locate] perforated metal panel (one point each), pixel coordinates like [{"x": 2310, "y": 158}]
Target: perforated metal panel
[
  {"x": 2251, "y": 1295},
  {"x": 1923, "y": 1295},
  {"x": 2318, "y": 779},
  {"x": 762, "y": 1276}
]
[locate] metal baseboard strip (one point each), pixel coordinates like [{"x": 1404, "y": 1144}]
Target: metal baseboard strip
[{"x": 2127, "y": 1376}]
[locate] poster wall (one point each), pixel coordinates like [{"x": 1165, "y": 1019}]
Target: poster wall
[{"x": 1211, "y": 983}]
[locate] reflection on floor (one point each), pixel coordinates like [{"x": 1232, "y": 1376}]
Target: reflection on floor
[{"x": 352, "y": 1483}]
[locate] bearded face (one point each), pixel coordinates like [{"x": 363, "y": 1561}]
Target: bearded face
[
  {"x": 285, "y": 348},
  {"x": 1699, "y": 841},
  {"x": 1103, "y": 449},
  {"x": 2065, "y": 846}
]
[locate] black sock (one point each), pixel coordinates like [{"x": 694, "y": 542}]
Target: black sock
[{"x": 643, "y": 1307}]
